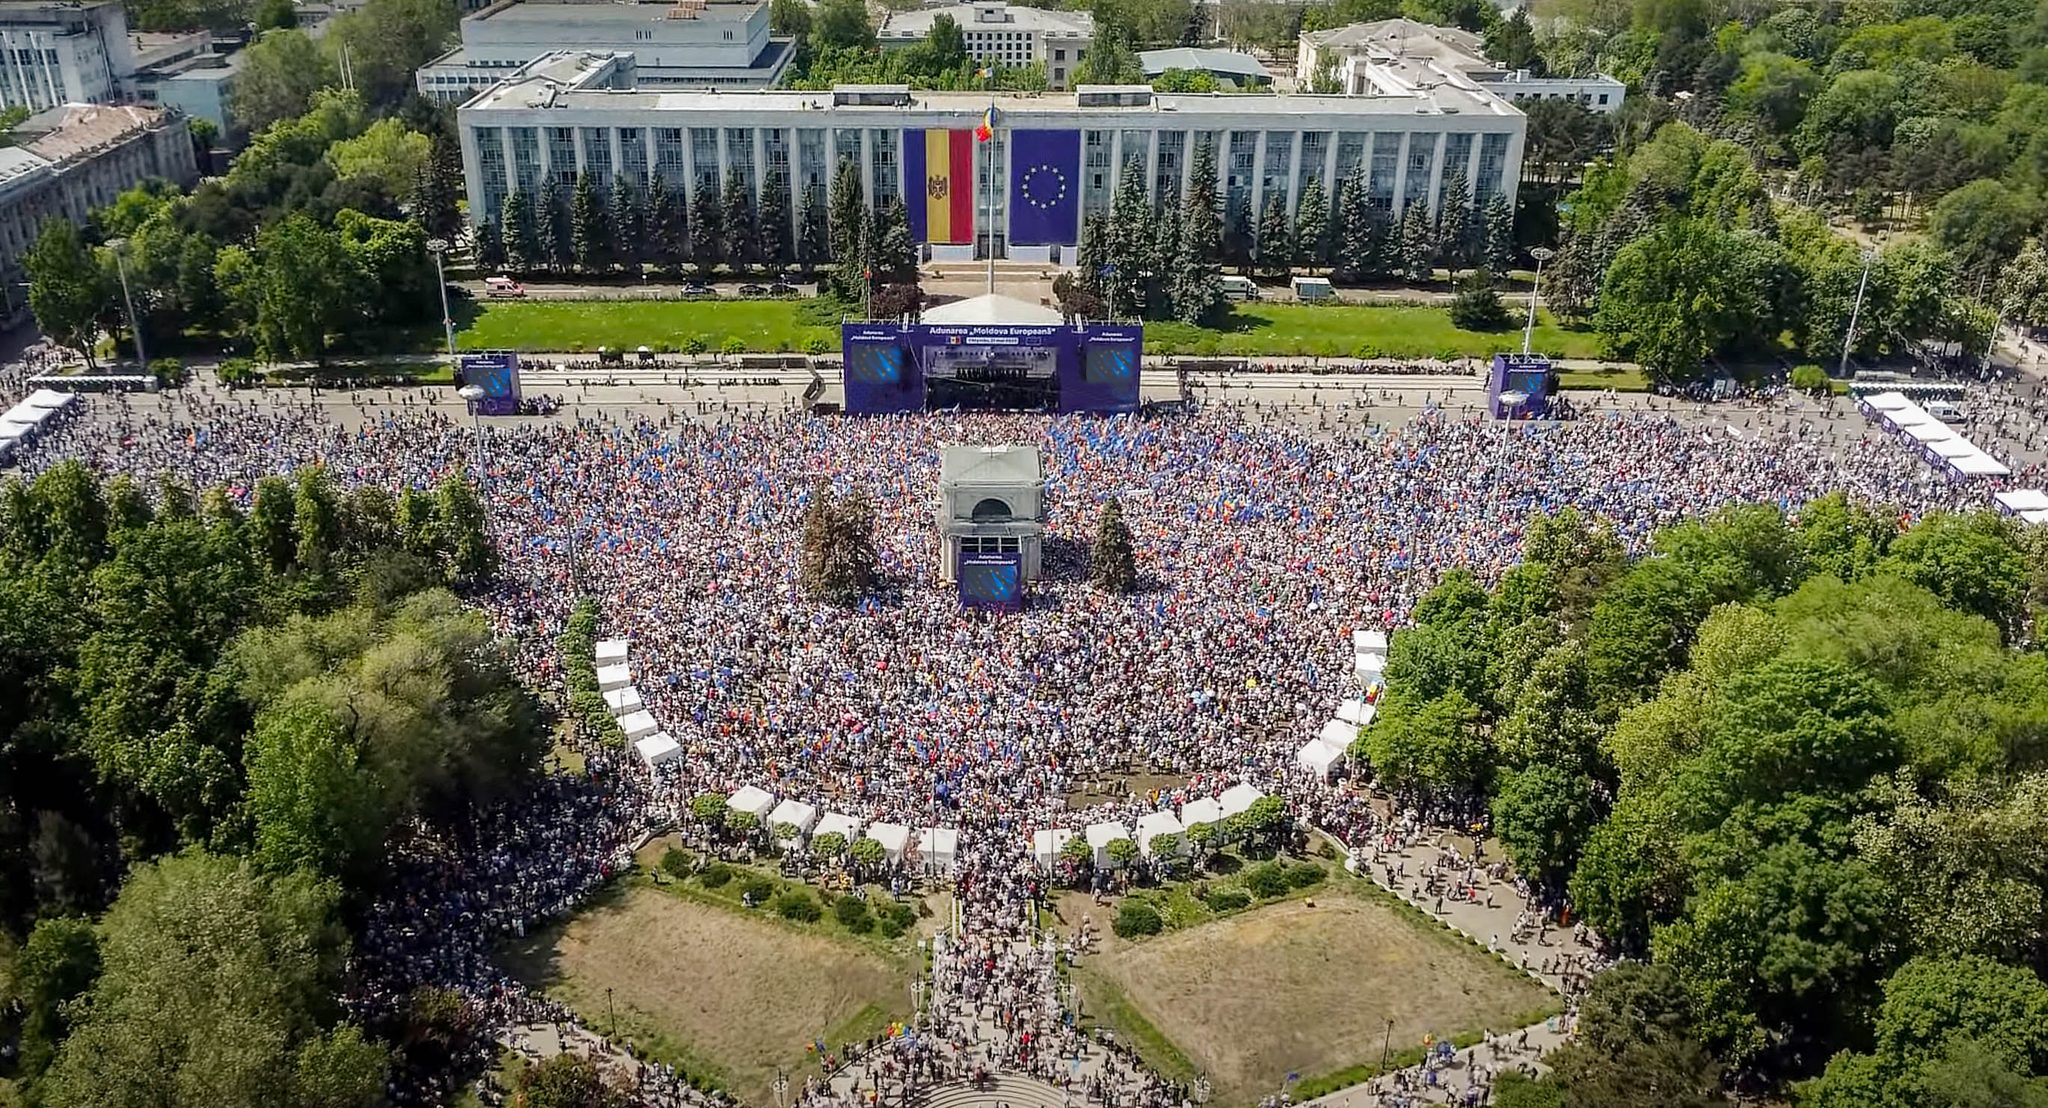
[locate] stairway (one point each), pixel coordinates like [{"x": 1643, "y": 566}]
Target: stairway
[{"x": 1008, "y": 1089}]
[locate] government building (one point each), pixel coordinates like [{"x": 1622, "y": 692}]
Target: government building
[{"x": 1055, "y": 157}]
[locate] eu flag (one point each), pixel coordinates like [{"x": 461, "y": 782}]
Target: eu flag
[{"x": 1045, "y": 188}]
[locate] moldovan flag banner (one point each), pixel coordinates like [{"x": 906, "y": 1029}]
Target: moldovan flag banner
[{"x": 938, "y": 182}]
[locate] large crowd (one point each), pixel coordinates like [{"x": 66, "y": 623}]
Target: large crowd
[{"x": 1260, "y": 549}]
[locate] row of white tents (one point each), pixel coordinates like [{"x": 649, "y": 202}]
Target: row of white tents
[
  {"x": 2030, "y": 505},
  {"x": 1048, "y": 843},
  {"x": 21, "y": 423},
  {"x": 937, "y": 848},
  {"x": 1327, "y": 750},
  {"x": 615, "y": 683},
  {"x": 1939, "y": 443}
]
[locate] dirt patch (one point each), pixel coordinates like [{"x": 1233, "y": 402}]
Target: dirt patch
[
  {"x": 721, "y": 993},
  {"x": 1109, "y": 787},
  {"x": 1298, "y": 989}
]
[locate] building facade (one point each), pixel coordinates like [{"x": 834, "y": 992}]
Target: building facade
[
  {"x": 675, "y": 43},
  {"x": 999, "y": 32},
  {"x": 75, "y": 159},
  {"x": 1390, "y": 55},
  {"x": 55, "y": 53},
  {"x": 1054, "y": 158}
]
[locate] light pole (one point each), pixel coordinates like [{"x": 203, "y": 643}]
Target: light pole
[
  {"x": 613, "y": 1011},
  {"x": 1541, "y": 254},
  {"x": 120, "y": 247},
  {"x": 439, "y": 247},
  {"x": 1509, "y": 401},
  {"x": 781, "y": 1087},
  {"x": 1849, "y": 338},
  {"x": 474, "y": 395}
]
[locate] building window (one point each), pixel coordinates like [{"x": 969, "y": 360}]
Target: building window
[
  {"x": 668, "y": 158},
  {"x": 526, "y": 159},
  {"x": 633, "y": 157},
  {"x": 1166, "y": 181},
  {"x": 1603, "y": 98},
  {"x": 1095, "y": 159},
  {"x": 490, "y": 159},
  {"x": 1457, "y": 162},
  {"x": 562, "y": 156},
  {"x": 888, "y": 171},
  {"x": 1279, "y": 148},
  {"x": 1386, "y": 154},
  {"x": 1421, "y": 155},
  {"x": 1491, "y": 179},
  {"x": 597, "y": 156},
  {"x": 1315, "y": 148}
]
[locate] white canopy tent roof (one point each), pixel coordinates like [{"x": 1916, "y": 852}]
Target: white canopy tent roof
[
  {"x": 2037, "y": 516},
  {"x": 940, "y": 847},
  {"x": 658, "y": 748},
  {"x": 1237, "y": 798},
  {"x": 1370, "y": 666},
  {"x": 1201, "y": 810},
  {"x": 614, "y": 677},
  {"x": 1046, "y": 844},
  {"x": 611, "y": 652},
  {"x": 1979, "y": 464},
  {"x": 1934, "y": 431},
  {"x": 638, "y": 725},
  {"x": 2022, "y": 500},
  {"x": 1152, "y": 825},
  {"x": 1369, "y": 640},
  {"x": 1356, "y": 712},
  {"x": 752, "y": 800},
  {"x": 1889, "y": 401},
  {"x": 51, "y": 399},
  {"x": 795, "y": 813},
  {"x": 894, "y": 837},
  {"x": 839, "y": 822},
  {"x": 1100, "y": 835},
  {"x": 1951, "y": 448},
  {"x": 1337, "y": 733},
  {"x": 1319, "y": 756},
  {"x": 623, "y": 701}
]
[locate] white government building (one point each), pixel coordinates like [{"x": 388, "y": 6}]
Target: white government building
[
  {"x": 995, "y": 31},
  {"x": 55, "y": 53},
  {"x": 586, "y": 113},
  {"x": 1388, "y": 55}
]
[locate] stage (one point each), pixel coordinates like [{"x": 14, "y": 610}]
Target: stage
[{"x": 991, "y": 352}]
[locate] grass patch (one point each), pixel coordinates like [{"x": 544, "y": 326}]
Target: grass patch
[
  {"x": 1354, "y": 330},
  {"x": 1618, "y": 379},
  {"x": 1105, "y": 1004},
  {"x": 558, "y": 326}
]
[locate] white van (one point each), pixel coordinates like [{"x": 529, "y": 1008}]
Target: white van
[
  {"x": 1239, "y": 288},
  {"x": 1313, "y": 289},
  {"x": 1943, "y": 410},
  {"x": 499, "y": 288}
]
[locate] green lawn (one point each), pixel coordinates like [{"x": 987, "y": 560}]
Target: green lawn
[
  {"x": 766, "y": 326},
  {"x": 1357, "y": 330},
  {"x": 1620, "y": 380}
]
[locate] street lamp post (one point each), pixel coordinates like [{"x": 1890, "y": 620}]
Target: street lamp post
[
  {"x": 1855, "y": 310},
  {"x": 612, "y": 1011},
  {"x": 119, "y": 248},
  {"x": 1509, "y": 401},
  {"x": 474, "y": 395},
  {"x": 439, "y": 247},
  {"x": 1541, "y": 254}
]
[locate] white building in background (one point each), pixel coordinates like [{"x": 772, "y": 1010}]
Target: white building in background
[
  {"x": 997, "y": 31},
  {"x": 55, "y": 53},
  {"x": 1056, "y": 157},
  {"x": 675, "y": 43},
  {"x": 1391, "y": 56}
]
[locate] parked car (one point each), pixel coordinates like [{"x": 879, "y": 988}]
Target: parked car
[
  {"x": 782, "y": 288},
  {"x": 1238, "y": 288},
  {"x": 698, "y": 288},
  {"x": 503, "y": 287},
  {"x": 753, "y": 290}
]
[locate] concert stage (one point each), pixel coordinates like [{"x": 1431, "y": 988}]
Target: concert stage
[{"x": 991, "y": 352}]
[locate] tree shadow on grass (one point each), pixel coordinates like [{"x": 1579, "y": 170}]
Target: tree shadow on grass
[{"x": 535, "y": 958}]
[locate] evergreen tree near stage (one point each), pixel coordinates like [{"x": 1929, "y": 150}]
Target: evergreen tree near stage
[
  {"x": 838, "y": 547},
  {"x": 1115, "y": 567}
]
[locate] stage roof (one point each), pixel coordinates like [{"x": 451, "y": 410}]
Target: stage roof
[
  {"x": 1008, "y": 466},
  {"x": 994, "y": 309}
]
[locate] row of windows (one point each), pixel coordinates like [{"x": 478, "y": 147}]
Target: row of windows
[{"x": 1583, "y": 97}]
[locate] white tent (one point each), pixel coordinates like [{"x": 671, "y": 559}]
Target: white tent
[
  {"x": 1932, "y": 431},
  {"x": 752, "y": 800},
  {"x": 1154, "y": 824},
  {"x": 1337, "y": 733},
  {"x": 1369, "y": 640},
  {"x": 1978, "y": 465},
  {"x": 939, "y": 846},
  {"x": 2017, "y": 501},
  {"x": 1319, "y": 756},
  {"x": 623, "y": 701},
  {"x": 638, "y": 725},
  {"x": 1356, "y": 712},
  {"x": 1201, "y": 810},
  {"x": 1889, "y": 401},
  {"x": 611, "y": 652},
  {"x": 1951, "y": 448},
  {"x": 795, "y": 813},
  {"x": 613, "y": 677},
  {"x": 51, "y": 399},
  {"x": 1370, "y": 666},
  {"x": 1100, "y": 835},
  {"x": 658, "y": 748},
  {"x": 1237, "y": 798},
  {"x": 894, "y": 837},
  {"x": 1047, "y": 843},
  {"x": 838, "y": 822}
]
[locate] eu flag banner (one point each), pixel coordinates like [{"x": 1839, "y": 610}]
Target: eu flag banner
[
  {"x": 938, "y": 185},
  {"x": 1045, "y": 188}
]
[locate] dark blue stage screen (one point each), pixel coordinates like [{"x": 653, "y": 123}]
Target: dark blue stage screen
[
  {"x": 496, "y": 374},
  {"x": 890, "y": 366},
  {"x": 992, "y": 580}
]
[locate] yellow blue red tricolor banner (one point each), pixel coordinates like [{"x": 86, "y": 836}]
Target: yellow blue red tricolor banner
[{"x": 938, "y": 185}]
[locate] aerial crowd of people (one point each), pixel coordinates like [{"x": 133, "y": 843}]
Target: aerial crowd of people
[{"x": 1260, "y": 549}]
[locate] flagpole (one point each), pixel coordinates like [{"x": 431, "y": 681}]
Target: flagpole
[{"x": 991, "y": 178}]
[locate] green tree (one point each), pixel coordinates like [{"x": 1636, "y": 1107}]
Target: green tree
[
  {"x": 668, "y": 233},
  {"x": 1434, "y": 749},
  {"x": 1972, "y": 562},
  {"x": 436, "y": 192},
  {"x": 1931, "y": 1007},
  {"x": 2022, "y": 295},
  {"x": 813, "y": 236},
  {"x": 1498, "y": 251},
  {"x": 848, "y": 225},
  {"x": 1114, "y": 565},
  {"x": 789, "y": 18},
  {"x": 1416, "y": 244},
  {"x": 1457, "y": 235},
  {"x": 566, "y": 1081},
  {"x": 707, "y": 227},
  {"x": 1542, "y": 815},
  {"x": 1477, "y": 306},
  {"x": 1984, "y": 224},
  {"x": 217, "y": 987},
  {"x": 1274, "y": 252},
  {"x": 303, "y": 295},
  {"x": 280, "y": 72},
  {"x": 522, "y": 239},
  {"x": 742, "y": 248},
  {"x": 590, "y": 240},
  {"x": 1687, "y": 292},
  {"x": 66, "y": 289},
  {"x": 772, "y": 237},
  {"x": 843, "y": 24},
  {"x": 462, "y": 525},
  {"x": 627, "y": 224},
  {"x": 1312, "y": 225},
  {"x": 553, "y": 244},
  {"x": 58, "y": 964},
  {"x": 1842, "y": 538},
  {"x": 1361, "y": 233},
  {"x": 389, "y": 155}
]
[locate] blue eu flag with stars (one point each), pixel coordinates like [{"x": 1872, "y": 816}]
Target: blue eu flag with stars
[{"x": 1045, "y": 188}]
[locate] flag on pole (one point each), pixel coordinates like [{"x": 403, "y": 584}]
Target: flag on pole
[
  {"x": 985, "y": 72},
  {"x": 987, "y": 130}
]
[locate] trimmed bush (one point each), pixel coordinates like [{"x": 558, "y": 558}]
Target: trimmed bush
[
  {"x": 890, "y": 929},
  {"x": 1137, "y": 918},
  {"x": 1304, "y": 875},
  {"x": 677, "y": 863},
  {"x": 1266, "y": 880},
  {"x": 716, "y": 875},
  {"x": 757, "y": 889},
  {"x": 798, "y": 905},
  {"x": 847, "y": 909},
  {"x": 1229, "y": 900}
]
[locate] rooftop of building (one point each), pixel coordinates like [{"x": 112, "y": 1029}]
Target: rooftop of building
[
  {"x": 538, "y": 90},
  {"x": 989, "y": 15},
  {"x": 1403, "y": 37},
  {"x": 24, "y": 10},
  {"x": 1010, "y": 465},
  {"x": 1155, "y": 62},
  {"x": 620, "y": 12},
  {"x": 16, "y": 163},
  {"x": 161, "y": 47},
  {"x": 69, "y": 132}
]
